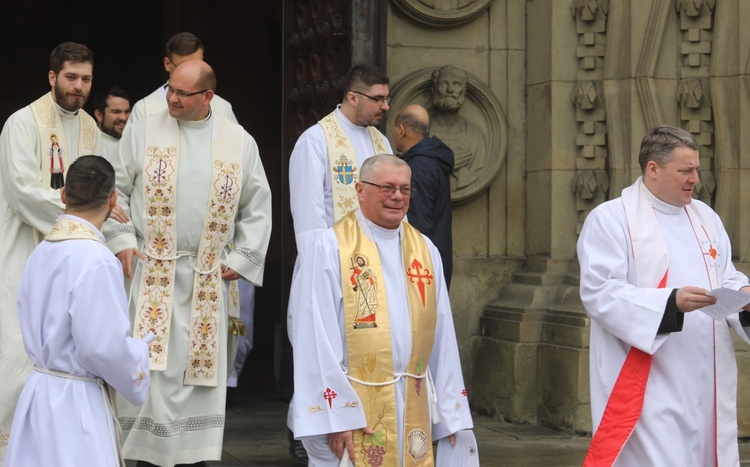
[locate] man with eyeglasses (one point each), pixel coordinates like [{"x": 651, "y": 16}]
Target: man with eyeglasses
[
  {"x": 193, "y": 182},
  {"x": 377, "y": 374},
  {"x": 431, "y": 164},
  {"x": 324, "y": 165},
  {"x": 180, "y": 47},
  {"x": 37, "y": 145}
]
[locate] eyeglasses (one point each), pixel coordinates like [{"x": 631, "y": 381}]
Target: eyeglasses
[
  {"x": 182, "y": 94},
  {"x": 388, "y": 190},
  {"x": 378, "y": 99}
]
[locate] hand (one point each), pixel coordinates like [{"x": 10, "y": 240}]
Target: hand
[
  {"x": 126, "y": 259},
  {"x": 344, "y": 440},
  {"x": 229, "y": 274},
  {"x": 692, "y": 298},
  {"x": 452, "y": 440},
  {"x": 119, "y": 215}
]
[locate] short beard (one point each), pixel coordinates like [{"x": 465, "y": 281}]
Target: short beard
[
  {"x": 66, "y": 102},
  {"x": 448, "y": 102}
]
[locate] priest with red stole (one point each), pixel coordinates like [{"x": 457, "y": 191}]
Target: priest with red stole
[{"x": 663, "y": 374}]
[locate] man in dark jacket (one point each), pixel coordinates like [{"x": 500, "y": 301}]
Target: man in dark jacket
[{"x": 431, "y": 163}]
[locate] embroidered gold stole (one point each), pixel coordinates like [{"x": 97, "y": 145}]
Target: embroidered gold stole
[
  {"x": 54, "y": 149},
  {"x": 342, "y": 163},
  {"x": 70, "y": 229},
  {"x": 156, "y": 292},
  {"x": 368, "y": 340}
]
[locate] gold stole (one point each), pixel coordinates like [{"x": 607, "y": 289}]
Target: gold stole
[
  {"x": 156, "y": 292},
  {"x": 52, "y": 139},
  {"x": 71, "y": 229},
  {"x": 342, "y": 162},
  {"x": 368, "y": 340}
]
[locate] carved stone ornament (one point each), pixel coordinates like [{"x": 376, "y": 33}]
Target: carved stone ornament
[
  {"x": 442, "y": 13},
  {"x": 477, "y": 132}
]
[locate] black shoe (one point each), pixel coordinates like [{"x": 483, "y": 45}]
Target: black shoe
[
  {"x": 197, "y": 464},
  {"x": 297, "y": 449},
  {"x": 145, "y": 464}
]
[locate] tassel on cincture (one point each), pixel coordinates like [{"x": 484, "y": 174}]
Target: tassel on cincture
[{"x": 238, "y": 327}]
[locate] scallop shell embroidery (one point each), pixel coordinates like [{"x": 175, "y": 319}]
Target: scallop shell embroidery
[{"x": 418, "y": 445}]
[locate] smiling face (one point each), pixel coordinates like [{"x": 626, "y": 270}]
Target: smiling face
[
  {"x": 115, "y": 116},
  {"x": 72, "y": 85},
  {"x": 383, "y": 210},
  {"x": 675, "y": 181}
]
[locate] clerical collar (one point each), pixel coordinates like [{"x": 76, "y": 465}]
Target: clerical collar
[
  {"x": 197, "y": 123},
  {"x": 373, "y": 231},
  {"x": 661, "y": 206},
  {"x": 348, "y": 123},
  {"x": 65, "y": 112}
]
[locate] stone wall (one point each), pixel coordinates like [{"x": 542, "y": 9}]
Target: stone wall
[{"x": 563, "y": 91}]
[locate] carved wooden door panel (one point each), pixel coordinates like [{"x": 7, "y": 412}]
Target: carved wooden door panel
[{"x": 317, "y": 55}]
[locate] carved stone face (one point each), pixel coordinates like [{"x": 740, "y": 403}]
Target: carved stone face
[{"x": 449, "y": 90}]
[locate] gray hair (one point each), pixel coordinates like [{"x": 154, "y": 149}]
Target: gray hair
[
  {"x": 659, "y": 143},
  {"x": 370, "y": 166}
]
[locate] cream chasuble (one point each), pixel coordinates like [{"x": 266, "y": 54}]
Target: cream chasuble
[
  {"x": 342, "y": 162},
  {"x": 369, "y": 351},
  {"x": 52, "y": 137},
  {"x": 156, "y": 293}
]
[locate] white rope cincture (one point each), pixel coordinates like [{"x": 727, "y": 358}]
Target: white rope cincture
[
  {"x": 431, "y": 391},
  {"x": 105, "y": 396}
]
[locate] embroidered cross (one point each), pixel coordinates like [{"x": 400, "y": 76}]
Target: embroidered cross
[
  {"x": 161, "y": 171},
  {"x": 464, "y": 393},
  {"x": 417, "y": 276},
  {"x": 226, "y": 189},
  {"x": 329, "y": 395}
]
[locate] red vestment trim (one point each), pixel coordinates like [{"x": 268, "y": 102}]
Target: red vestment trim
[{"x": 623, "y": 408}]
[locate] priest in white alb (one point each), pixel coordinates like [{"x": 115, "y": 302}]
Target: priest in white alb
[
  {"x": 37, "y": 144},
  {"x": 325, "y": 161},
  {"x": 375, "y": 380},
  {"x": 193, "y": 182},
  {"x": 663, "y": 374},
  {"x": 74, "y": 321}
]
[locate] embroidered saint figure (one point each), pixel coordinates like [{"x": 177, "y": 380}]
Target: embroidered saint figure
[
  {"x": 365, "y": 284},
  {"x": 56, "y": 168}
]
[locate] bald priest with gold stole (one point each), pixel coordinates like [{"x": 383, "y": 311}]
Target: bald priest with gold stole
[{"x": 373, "y": 335}]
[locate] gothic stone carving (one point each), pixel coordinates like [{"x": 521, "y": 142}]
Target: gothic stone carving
[
  {"x": 465, "y": 114},
  {"x": 442, "y": 13}
]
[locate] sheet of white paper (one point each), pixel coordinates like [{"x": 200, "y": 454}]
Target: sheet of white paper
[
  {"x": 464, "y": 453},
  {"x": 728, "y": 301}
]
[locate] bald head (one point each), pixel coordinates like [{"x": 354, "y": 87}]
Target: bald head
[
  {"x": 191, "y": 88},
  {"x": 410, "y": 126}
]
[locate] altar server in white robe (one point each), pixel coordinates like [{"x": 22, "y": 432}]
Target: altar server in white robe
[
  {"x": 74, "y": 321},
  {"x": 361, "y": 366},
  {"x": 321, "y": 184},
  {"x": 193, "y": 181},
  {"x": 36, "y": 145},
  {"x": 663, "y": 376},
  {"x": 180, "y": 47}
]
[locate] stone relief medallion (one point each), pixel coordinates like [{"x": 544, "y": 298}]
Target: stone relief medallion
[
  {"x": 442, "y": 13},
  {"x": 466, "y": 116}
]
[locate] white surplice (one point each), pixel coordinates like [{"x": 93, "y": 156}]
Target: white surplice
[
  {"x": 74, "y": 319},
  {"x": 677, "y": 425},
  {"x": 157, "y": 101},
  {"x": 178, "y": 423},
  {"x": 28, "y": 209},
  {"x": 109, "y": 146},
  {"x": 310, "y": 194},
  {"x": 320, "y": 350}
]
